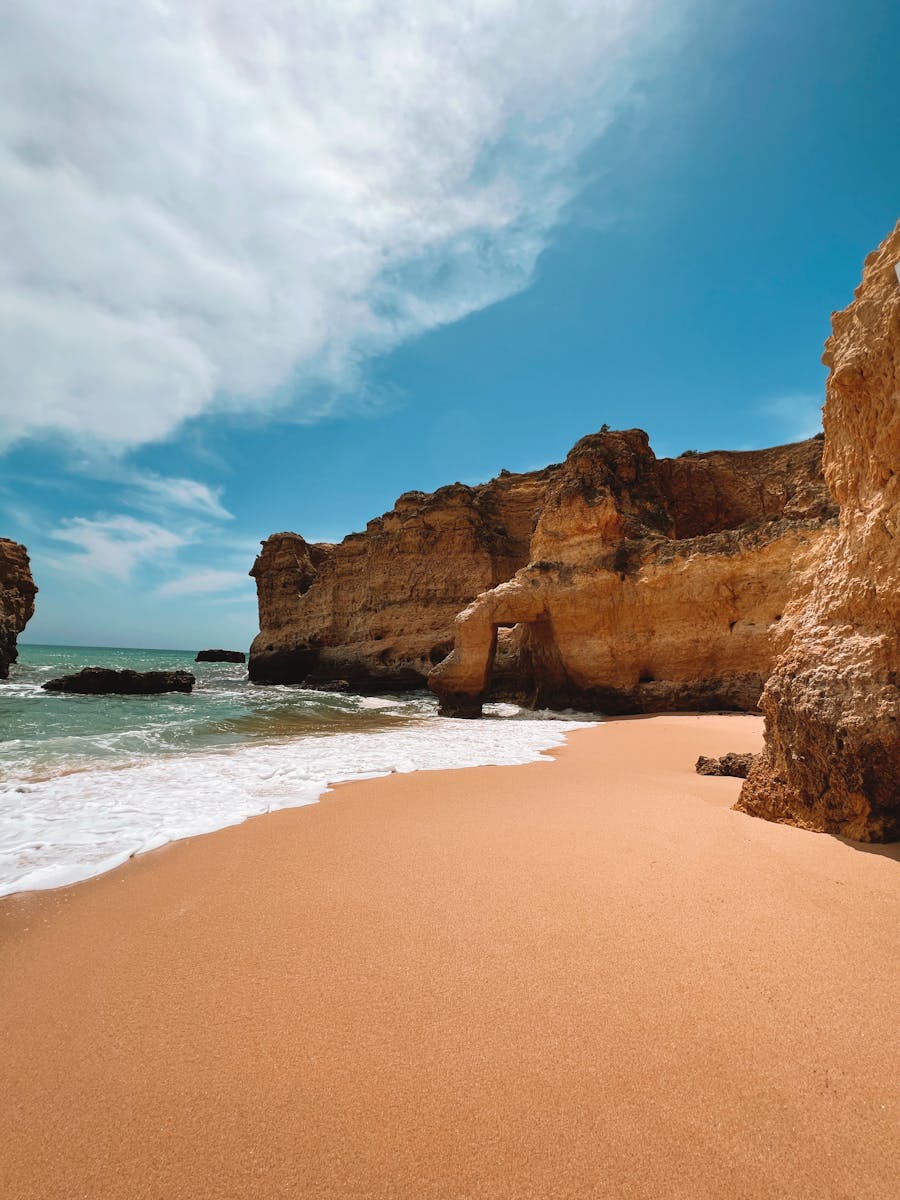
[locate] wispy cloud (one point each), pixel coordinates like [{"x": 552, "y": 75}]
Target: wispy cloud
[
  {"x": 115, "y": 546},
  {"x": 794, "y": 417},
  {"x": 155, "y": 492},
  {"x": 22, "y": 518},
  {"x": 216, "y": 204},
  {"x": 147, "y": 490},
  {"x": 204, "y": 582}
]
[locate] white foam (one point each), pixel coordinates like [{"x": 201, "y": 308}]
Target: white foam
[{"x": 58, "y": 831}]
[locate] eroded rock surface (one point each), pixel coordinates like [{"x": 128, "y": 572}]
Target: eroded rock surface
[
  {"x": 229, "y": 656},
  {"x": 736, "y": 766},
  {"x": 17, "y": 593},
  {"x": 832, "y": 752},
  {"x": 377, "y": 610},
  {"x": 614, "y": 581},
  {"x": 653, "y": 584}
]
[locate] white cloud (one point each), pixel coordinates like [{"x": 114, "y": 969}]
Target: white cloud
[
  {"x": 148, "y": 490},
  {"x": 117, "y": 545},
  {"x": 204, "y": 582},
  {"x": 794, "y": 417},
  {"x": 156, "y": 492},
  {"x": 207, "y": 201}
]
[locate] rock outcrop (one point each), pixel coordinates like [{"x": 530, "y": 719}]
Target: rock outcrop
[
  {"x": 615, "y": 581},
  {"x": 832, "y": 752},
  {"x": 17, "y": 593},
  {"x": 652, "y": 584},
  {"x": 377, "y": 610},
  {"x": 229, "y": 656},
  {"x": 100, "y": 681},
  {"x": 736, "y": 766}
]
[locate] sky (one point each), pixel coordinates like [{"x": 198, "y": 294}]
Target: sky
[{"x": 269, "y": 266}]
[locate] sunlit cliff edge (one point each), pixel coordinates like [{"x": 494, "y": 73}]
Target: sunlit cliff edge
[
  {"x": 615, "y": 581},
  {"x": 17, "y": 592},
  {"x": 832, "y": 704}
]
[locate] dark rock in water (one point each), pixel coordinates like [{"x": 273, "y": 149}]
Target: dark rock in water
[
  {"x": 235, "y": 656},
  {"x": 459, "y": 704},
  {"x": 736, "y": 765},
  {"x": 98, "y": 681},
  {"x": 327, "y": 685}
]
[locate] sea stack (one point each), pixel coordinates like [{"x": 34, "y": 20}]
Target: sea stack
[
  {"x": 100, "y": 681},
  {"x": 228, "y": 656},
  {"x": 832, "y": 703},
  {"x": 17, "y": 593}
]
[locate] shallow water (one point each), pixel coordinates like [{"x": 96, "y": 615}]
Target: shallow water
[{"x": 88, "y": 781}]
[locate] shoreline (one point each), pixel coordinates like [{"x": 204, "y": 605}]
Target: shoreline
[
  {"x": 588, "y": 978},
  {"x": 78, "y": 823}
]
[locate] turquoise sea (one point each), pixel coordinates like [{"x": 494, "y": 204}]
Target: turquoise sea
[
  {"x": 42, "y": 733},
  {"x": 88, "y": 781}
]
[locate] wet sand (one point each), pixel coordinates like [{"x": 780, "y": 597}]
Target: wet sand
[{"x": 585, "y": 978}]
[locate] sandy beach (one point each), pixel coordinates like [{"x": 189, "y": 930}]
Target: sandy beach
[{"x": 581, "y": 978}]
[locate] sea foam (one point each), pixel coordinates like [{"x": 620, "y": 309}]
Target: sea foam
[{"x": 64, "y": 829}]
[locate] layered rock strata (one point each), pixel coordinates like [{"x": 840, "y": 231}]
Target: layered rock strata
[
  {"x": 377, "y": 610},
  {"x": 652, "y": 584},
  {"x": 615, "y": 581},
  {"x": 17, "y": 593},
  {"x": 832, "y": 751}
]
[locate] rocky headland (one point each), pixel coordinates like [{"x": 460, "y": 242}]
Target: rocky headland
[
  {"x": 653, "y": 584},
  {"x": 832, "y": 703},
  {"x": 377, "y": 610},
  {"x": 17, "y": 593},
  {"x": 615, "y": 581}
]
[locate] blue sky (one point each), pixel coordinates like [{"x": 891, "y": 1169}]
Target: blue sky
[{"x": 273, "y": 265}]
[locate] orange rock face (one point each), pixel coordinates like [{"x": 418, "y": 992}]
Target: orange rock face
[
  {"x": 17, "y": 592},
  {"x": 615, "y": 580},
  {"x": 832, "y": 704},
  {"x": 653, "y": 584},
  {"x": 377, "y": 610}
]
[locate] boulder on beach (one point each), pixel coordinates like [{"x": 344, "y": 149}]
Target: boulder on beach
[
  {"x": 232, "y": 656},
  {"x": 735, "y": 765},
  {"x": 98, "y": 681}
]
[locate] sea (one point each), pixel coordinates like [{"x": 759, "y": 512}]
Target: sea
[{"x": 87, "y": 782}]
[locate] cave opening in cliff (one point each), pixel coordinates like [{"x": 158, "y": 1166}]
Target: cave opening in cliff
[{"x": 526, "y": 666}]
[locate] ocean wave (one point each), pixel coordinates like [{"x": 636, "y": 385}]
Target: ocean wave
[{"x": 61, "y": 830}]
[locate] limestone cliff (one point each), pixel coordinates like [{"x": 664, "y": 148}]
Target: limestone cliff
[
  {"x": 377, "y": 610},
  {"x": 832, "y": 704},
  {"x": 17, "y": 592},
  {"x": 625, "y": 582},
  {"x": 653, "y": 584}
]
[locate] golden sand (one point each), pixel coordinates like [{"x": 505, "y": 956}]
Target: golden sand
[{"x": 585, "y": 978}]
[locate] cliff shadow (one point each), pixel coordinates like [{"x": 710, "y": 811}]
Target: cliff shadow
[
  {"x": 882, "y": 849},
  {"x": 525, "y": 664}
]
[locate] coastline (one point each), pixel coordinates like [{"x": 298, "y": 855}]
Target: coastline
[
  {"x": 96, "y": 781},
  {"x": 588, "y": 977}
]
